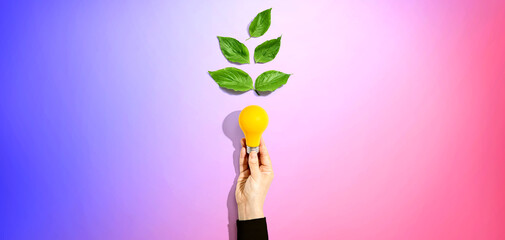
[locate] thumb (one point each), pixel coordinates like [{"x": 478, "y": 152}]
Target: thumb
[{"x": 254, "y": 164}]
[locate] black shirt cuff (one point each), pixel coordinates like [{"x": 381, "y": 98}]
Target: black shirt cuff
[{"x": 254, "y": 229}]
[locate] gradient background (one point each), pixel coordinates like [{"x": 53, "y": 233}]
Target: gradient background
[{"x": 392, "y": 126}]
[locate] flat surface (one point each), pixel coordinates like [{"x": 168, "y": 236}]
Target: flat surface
[{"x": 392, "y": 125}]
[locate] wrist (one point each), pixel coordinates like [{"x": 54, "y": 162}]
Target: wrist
[{"x": 248, "y": 212}]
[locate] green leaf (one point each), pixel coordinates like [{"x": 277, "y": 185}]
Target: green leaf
[
  {"x": 233, "y": 50},
  {"x": 260, "y": 23},
  {"x": 232, "y": 78},
  {"x": 270, "y": 80},
  {"x": 267, "y": 51}
]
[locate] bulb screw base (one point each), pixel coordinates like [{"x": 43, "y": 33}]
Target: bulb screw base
[{"x": 250, "y": 149}]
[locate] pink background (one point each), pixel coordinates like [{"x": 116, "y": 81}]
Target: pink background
[{"x": 392, "y": 125}]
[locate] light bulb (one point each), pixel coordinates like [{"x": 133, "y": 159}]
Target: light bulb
[{"x": 253, "y": 120}]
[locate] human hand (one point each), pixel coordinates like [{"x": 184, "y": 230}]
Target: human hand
[{"x": 256, "y": 175}]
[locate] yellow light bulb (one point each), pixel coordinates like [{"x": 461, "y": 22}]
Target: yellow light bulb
[{"x": 253, "y": 120}]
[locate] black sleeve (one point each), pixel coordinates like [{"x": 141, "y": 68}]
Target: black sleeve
[{"x": 254, "y": 229}]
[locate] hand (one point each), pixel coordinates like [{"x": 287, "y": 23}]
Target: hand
[{"x": 256, "y": 175}]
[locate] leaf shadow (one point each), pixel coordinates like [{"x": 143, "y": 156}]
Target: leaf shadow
[
  {"x": 236, "y": 64},
  {"x": 247, "y": 29},
  {"x": 232, "y": 130},
  {"x": 230, "y": 91},
  {"x": 264, "y": 93}
]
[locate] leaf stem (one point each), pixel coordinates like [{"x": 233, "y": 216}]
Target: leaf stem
[{"x": 257, "y": 92}]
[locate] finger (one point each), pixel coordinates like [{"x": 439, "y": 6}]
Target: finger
[
  {"x": 254, "y": 165},
  {"x": 242, "y": 160},
  {"x": 242, "y": 142},
  {"x": 264, "y": 157}
]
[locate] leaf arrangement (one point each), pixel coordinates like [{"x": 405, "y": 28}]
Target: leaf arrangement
[{"x": 236, "y": 52}]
